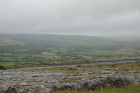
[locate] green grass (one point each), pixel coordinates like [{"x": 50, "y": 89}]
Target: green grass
[
  {"x": 49, "y": 54},
  {"x": 7, "y": 63},
  {"x": 129, "y": 89},
  {"x": 23, "y": 55},
  {"x": 7, "y": 59},
  {"x": 70, "y": 57},
  {"x": 6, "y": 53},
  {"x": 62, "y": 50}
]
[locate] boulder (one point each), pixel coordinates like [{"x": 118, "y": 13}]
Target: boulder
[{"x": 12, "y": 90}]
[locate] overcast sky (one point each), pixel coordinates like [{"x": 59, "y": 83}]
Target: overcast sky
[{"x": 72, "y": 17}]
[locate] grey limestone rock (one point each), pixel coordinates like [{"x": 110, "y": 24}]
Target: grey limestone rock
[
  {"x": 37, "y": 90},
  {"x": 12, "y": 90},
  {"x": 96, "y": 84}
]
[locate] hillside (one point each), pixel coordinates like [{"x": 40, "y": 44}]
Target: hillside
[
  {"x": 7, "y": 41},
  {"x": 61, "y": 39},
  {"x": 22, "y": 49}
]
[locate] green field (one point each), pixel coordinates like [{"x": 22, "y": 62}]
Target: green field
[
  {"x": 44, "y": 54},
  {"x": 48, "y": 54}
]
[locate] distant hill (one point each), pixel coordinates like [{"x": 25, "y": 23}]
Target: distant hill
[
  {"x": 61, "y": 39},
  {"x": 6, "y": 41},
  {"x": 125, "y": 38}
]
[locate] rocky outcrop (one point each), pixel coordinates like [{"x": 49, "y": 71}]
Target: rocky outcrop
[
  {"x": 83, "y": 85},
  {"x": 24, "y": 91},
  {"x": 64, "y": 87},
  {"x": 37, "y": 90},
  {"x": 12, "y": 90},
  {"x": 95, "y": 84}
]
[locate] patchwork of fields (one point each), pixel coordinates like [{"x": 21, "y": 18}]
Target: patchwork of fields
[{"x": 47, "y": 49}]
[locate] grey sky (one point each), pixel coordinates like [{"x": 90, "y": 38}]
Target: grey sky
[{"x": 74, "y": 17}]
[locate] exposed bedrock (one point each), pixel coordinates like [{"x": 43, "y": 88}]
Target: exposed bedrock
[
  {"x": 82, "y": 85},
  {"x": 95, "y": 84}
]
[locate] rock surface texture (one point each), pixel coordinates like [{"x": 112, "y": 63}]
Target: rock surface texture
[
  {"x": 82, "y": 85},
  {"x": 96, "y": 84}
]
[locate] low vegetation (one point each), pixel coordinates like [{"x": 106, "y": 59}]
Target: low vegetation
[
  {"x": 2, "y": 67},
  {"x": 122, "y": 66}
]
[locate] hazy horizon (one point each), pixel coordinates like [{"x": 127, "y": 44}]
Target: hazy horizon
[{"x": 70, "y": 17}]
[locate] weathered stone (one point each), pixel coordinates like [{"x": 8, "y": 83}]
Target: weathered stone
[
  {"x": 12, "y": 90},
  {"x": 95, "y": 84},
  {"x": 24, "y": 91},
  {"x": 37, "y": 90}
]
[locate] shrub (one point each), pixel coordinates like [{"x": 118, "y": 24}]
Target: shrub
[
  {"x": 2, "y": 67},
  {"x": 79, "y": 65}
]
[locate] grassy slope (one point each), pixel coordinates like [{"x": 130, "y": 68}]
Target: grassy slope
[{"x": 129, "y": 89}]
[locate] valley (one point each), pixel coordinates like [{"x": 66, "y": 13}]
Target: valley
[
  {"x": 31, "y": 61},
  {"x": 34, "y": 50}
]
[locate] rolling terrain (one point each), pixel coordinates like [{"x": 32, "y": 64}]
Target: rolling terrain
[
  {"x": 41, "y": 62},
  {"x": 21, "y": 49}
]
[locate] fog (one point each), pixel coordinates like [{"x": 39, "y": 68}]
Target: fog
[{"x": 71, "y": 17}]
